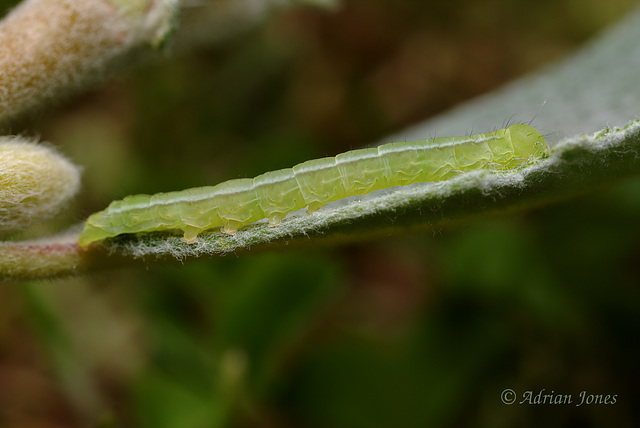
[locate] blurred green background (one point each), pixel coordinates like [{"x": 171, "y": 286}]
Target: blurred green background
[{"x": 409, "y": 331}]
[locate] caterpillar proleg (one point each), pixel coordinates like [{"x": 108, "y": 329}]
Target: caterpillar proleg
[{"x": 236, "y": 203}]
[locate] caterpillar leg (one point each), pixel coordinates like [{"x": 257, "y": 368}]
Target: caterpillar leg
[
  {"x": 275, "y": 220},
  {"x": 447, "y": 174},
  {"x": 522, "y": 161},
  {"x": 314, "y": 206},
  {"x": 494, "y": 166},
  {"x": 230, "y": 228},
  {"x": 190, "y": 234},
  {"x": 515, "y": 162}
]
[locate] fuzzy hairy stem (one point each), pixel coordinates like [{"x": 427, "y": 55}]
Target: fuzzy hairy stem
[
  {"x": 51, "y": 47},
  {"x": 52, "y": 257}
]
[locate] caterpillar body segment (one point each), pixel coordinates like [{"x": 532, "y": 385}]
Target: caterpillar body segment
[
  {"x": 278, "y": 194},
  {"x": 236, "y": 203},
  {"x": 320, "y": 182}
]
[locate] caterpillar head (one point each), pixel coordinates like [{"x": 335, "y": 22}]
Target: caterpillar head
[{"x": 527, "y": 141}]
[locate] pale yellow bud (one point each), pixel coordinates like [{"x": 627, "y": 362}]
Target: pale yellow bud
[{"x": 35, "y": 182}]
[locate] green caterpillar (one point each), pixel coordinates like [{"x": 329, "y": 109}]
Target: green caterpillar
[{"x": 313, "y": 184}]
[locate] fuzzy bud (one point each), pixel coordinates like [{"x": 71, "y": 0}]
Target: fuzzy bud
[
  {"x": 35, "y": 182},
  {"x": 49, "y": 48}
]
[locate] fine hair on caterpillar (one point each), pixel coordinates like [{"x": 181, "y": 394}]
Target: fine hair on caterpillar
[{"x": 236, "y": 203}]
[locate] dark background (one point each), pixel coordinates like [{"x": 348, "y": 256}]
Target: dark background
[{"x": 409, "y": 331}]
